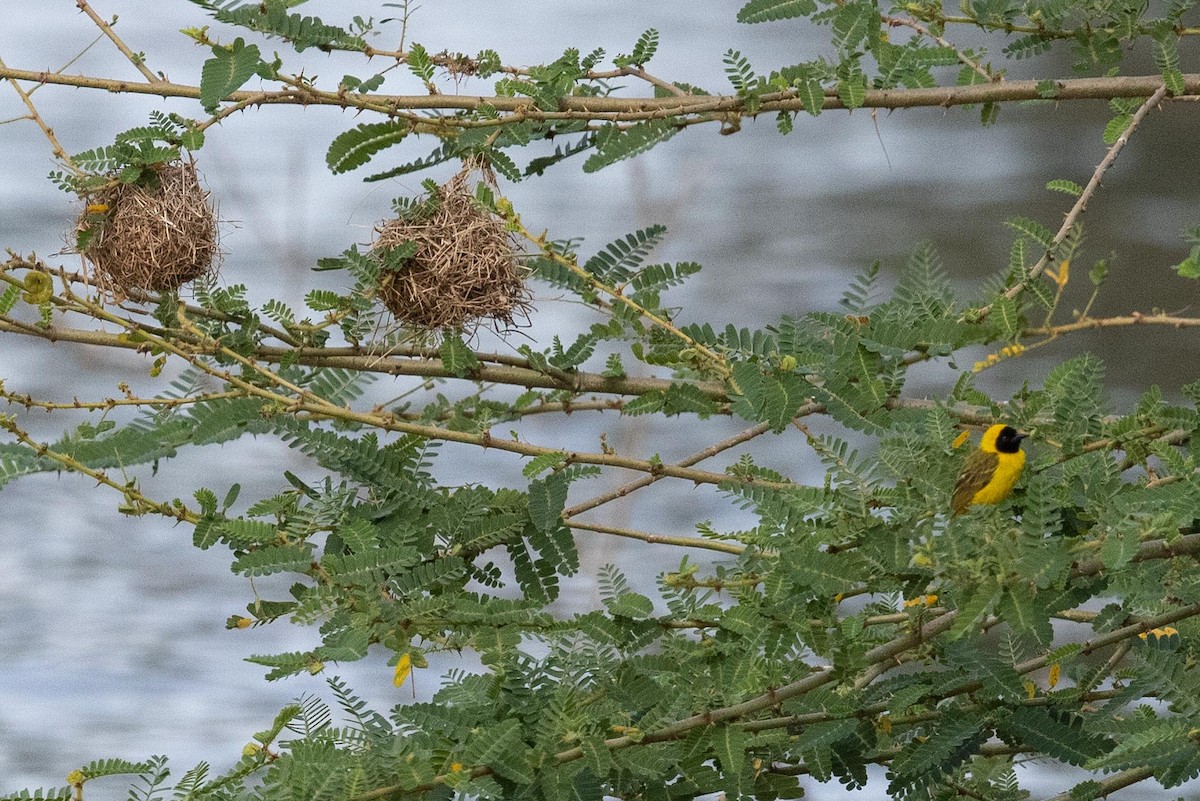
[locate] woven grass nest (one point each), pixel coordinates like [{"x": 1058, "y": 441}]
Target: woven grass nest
[
  {"x": 156, "y": 236},
  {"x": 464, "y": 271}
]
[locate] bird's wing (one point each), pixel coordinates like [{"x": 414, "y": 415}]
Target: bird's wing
[{"x": 976, "y": 473}]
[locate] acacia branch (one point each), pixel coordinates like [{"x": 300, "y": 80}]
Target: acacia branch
[
  {"x": 56, "y": 147},
  {"x": 134, "y": 58},
  {"x": 1104, "y": 787},
  {"x": 637, "y": 109},
  {"x": 421, "y": 367},
  {"x": 963, "y": 58},
  {"x": 645, "y": 481},
  {"x": 1133, "y": 318},
  {"x": 138, "y": 503},
  {"x": 658, "y": 539}
]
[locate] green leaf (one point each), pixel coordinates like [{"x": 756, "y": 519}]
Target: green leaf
[
  {"x": 772, "y": 10},
  {"x": 226, "y": 71},
  {"x": 1189, "y": 267},
  {"x": 1116, "y": 126},
  {"x": 457, "y": 357},
  {"x": 1033, "y": 230},
  {"x": 1062, "y": 738},
  {"x": 817, "y": 574},
  {"x": 852, "y": 24},
  {"x": 923, "y": 761},
  {"x": 632, "y": 605},
  {"x": 975, "y": 607},
  {"x": 540, "y": 464},
  {"x": 618, "y": 261},
  {"x": 852, "y": 84},
  {"x": 8, "y": 298},
  {"x": 643, "y": 50},
  {"x": 271, "y": 18},
  {"x": 729, "y": 745},
  {"x": 768, "y": 398},
  {"x": 419, "y": 63},
  {"x": 613, "y": 145},
  {"x": 1027, "y": 614},
  {"x": 192, "y": 140},
  {"x": 688, "y": 398},
  {"x": 547, "y": 498},
  {"x": 1065, "y": 186},
  {"x": 1000, "y": 680},
  {"x": 812, "y": 95},
  {"x": 354, "y": 148},
  {"x": 740, "y": 73},
  {"x": 1028, "y": 46},
  {"x": 1120, "y": 544},
  {"x": 1166, "y": 56},
  {"x": 502, "y": 749},
  {"x": 1007, "y": 314},
  {"x": 274, "y": 559}
]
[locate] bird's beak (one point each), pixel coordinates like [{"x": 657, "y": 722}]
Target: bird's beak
[{"x": 1021, "y": 435}]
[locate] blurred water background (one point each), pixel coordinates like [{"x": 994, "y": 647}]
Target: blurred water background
[{"x": 112, "y": 628}]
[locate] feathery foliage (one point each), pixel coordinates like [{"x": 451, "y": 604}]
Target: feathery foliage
[{"x": 846, "y": 621}]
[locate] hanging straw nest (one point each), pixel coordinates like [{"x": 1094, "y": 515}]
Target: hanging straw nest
[
  {"x": 150, "y": 237},
  {"x": 463, "y": 271}
]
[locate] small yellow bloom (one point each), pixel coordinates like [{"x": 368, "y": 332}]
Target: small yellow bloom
[
  {"x": 1166, "y": 632},
  {"x": 1030, "y": 689},
  {"x": 456, "y": 767},
  {"x": 1062, "y": 274},
  {"x": 97, "y": 208},
  {"x": 1055, "y": 674},
  {"x": 403, "y": 668},
  {"x": 921, "y": 600},
  {"x": 75, "y": 777},
  {"x": 251, "y": 749},
  {"x": 960, "y": 439}
]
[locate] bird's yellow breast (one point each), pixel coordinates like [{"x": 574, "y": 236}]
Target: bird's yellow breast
[{"x": 1008, "y": 470}]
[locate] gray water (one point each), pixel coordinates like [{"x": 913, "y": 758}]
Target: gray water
[{"x": 112, "y": 628}]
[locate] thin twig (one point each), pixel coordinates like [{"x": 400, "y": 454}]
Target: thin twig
[
  {"x": 963, "y": 58},
  {"x": 29, "y": 402},
  {"x": 140, "y": 503},
  {"x": 1081, "y": 202},
  {"x": 658, "y": 539},
  {"x": 55, "y": 146},
  {"x": 1133, "y": 318},
  {"x": 1108, "y": 786},
  {"x": 134, "y": 58},
  {"x": 645, "y": 481},
  {"x": 716, "y": 360}
]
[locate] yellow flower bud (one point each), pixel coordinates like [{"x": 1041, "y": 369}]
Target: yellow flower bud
[{"x": 403, "y": 668}]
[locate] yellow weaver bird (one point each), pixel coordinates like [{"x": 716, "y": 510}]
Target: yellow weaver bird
[{"x": 991, "y": 471}]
